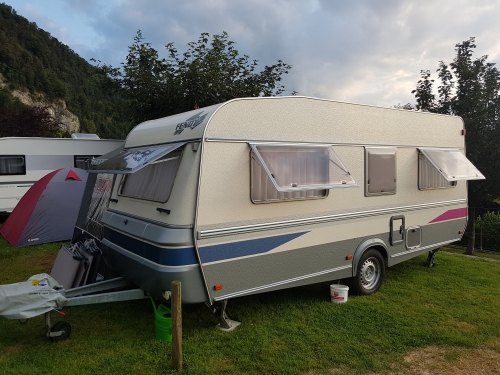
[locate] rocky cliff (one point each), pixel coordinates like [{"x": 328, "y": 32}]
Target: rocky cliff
[{"x": 69, "y": 121}]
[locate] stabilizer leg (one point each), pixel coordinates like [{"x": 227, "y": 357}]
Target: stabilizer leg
[
  {"x": 219, "y": 310},
  {"x": 431, "y": 257}
]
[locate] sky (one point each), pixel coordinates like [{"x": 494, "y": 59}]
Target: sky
[{"x": 364, "y": 51}]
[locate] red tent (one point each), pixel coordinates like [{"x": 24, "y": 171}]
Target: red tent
[{"x": 48, "y": 211}]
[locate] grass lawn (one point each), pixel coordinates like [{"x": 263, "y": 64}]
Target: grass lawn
[{"x": 447, "y": 316}]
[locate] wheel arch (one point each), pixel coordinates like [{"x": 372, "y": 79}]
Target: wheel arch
[{"x": 370, "y": 243}]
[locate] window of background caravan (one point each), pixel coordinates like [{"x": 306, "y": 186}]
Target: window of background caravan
[
  {"x": 429, "y": 177},
  {"x": 155, "y": 181},
  {"x": 12, "y": 165},
  {"x": 380, "y": 171},
  {"x": 283, "y": 172},
  {"x": 84, "y": 161}
]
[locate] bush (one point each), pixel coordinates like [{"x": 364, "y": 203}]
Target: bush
[
  {"x": 488, "y": 231},
  {"x": 28, "y": 122}
]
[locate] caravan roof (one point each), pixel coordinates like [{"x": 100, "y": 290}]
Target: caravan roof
[{"x": 303, "y": 119}]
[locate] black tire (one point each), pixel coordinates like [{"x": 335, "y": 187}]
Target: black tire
[
  {"x": 369, "y": 274},
  {"x": 64, "y": 328}
]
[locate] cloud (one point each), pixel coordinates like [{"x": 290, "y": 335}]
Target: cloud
[
  {"x": 373, "y": 52},
  {"x": 256, "y": 26},
  {"x": 364, "y": 51},
  {"x": 84, "y": 7},
  {"x": 35, "y": 14}
]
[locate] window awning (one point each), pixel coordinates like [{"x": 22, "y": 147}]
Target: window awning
[
  {"x": 302, "y": 167},
  {"x": 131, "y": 160},
  {"x": 452, "y": 164}
]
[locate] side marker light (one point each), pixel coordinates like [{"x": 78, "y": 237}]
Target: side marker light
[
  {"x": 218, "y": 287},
  {"x": 349, "y": 257}
]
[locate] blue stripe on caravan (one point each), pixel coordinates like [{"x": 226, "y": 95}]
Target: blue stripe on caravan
[
  {"x": 164, "y": 256},
  {"x": 244, "y": 248}
]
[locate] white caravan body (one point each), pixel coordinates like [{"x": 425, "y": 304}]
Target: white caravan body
[
  {"x": 259, "y": 194},
  {"x": 25, "y": 160}
]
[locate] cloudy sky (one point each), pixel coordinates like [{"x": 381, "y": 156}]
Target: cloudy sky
[{"x": 368, "y": 52}]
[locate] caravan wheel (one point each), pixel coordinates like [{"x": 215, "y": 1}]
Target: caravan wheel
[
  {"x": 370, "y": 273},
  {"x": 60, "y": 331}
]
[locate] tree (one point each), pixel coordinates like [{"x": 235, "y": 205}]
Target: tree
[
  {"x": 28, "y": 122},
  {"x": 9, "y": 102},
  {"x": 33, "y": 60},
  {"x": 423, "y": 92},
  {"x": 407, "y": 106},
  {"x": 489, "y": 228},
  {"x": 469, "y": 88},
  {"x": 209, "y": 72}
]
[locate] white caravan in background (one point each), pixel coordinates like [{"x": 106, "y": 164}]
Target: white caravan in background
[{"x": 25, "y": 160}]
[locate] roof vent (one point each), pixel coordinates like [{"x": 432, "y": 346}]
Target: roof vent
[{"x": 84, "y": 136}]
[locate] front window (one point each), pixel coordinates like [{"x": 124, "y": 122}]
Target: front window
[
  {"x": 153, "y": 182},
  {"x": 134, "y": 159},
  {"x": 149, "y": 170}
]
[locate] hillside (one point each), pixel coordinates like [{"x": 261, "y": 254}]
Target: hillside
[{"x": 47, "y": 71}]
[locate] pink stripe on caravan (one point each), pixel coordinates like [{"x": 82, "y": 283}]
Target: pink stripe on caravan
[{"x": 457, "y": 213}]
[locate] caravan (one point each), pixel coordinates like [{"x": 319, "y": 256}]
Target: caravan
[
  {"x": 25, "y": 160},
  {"x": 259, "y": 194}
]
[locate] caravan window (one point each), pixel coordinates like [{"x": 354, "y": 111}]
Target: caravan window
[
  {"x": 262, "y": 189},
  {"x": 429, "y": 177},
  {"x": 12, "y": 165},
  {"x": 150, "y": 170},
  {"x": 451, "y": 164},
  {"x": 153, "y": 182},
  {"x": 305, "y": 171},
  {"x": 380, "y": 171},
  {"x": 84, "y": 162},
  {"x": 134, "y": 159}
]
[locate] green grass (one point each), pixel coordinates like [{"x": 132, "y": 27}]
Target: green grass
[
  {"x": 454, "y": 305},
  {"x": 481, "y": 254}
]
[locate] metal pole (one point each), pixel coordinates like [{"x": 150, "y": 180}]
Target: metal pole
[
  {"x": 176, "y": 326},
  {"x": 470, "y": 249},
  {"x": 47, "y": 324}
]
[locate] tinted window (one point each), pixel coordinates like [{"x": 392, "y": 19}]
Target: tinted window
[{"x": 12, "y": 165}]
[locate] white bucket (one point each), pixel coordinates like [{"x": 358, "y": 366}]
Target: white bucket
[{"x": 338, "y": 293}]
